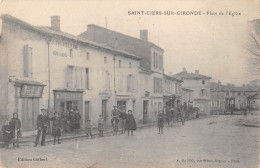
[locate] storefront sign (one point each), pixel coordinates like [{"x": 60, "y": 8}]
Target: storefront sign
[{"x": 31, "y": 91}]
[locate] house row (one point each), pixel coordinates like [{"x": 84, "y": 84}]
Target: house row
[
  {"x": 43, "y": 67},
  {"x": 223, "y": 96}
]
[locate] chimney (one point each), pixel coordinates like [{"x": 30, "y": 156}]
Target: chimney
[
  {"x": 170, "y": 73},
  {"x": 144, "y": 35},
  {"x": 196, "y": 72},
  {"x": 55, "y": 23},
  {"x": 184, "y": 69},
  {"x": 116, "y": 43}
]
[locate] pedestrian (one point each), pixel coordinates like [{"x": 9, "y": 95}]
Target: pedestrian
[
  {"x": 115, "y": 119},
  {"x": 89, "y": 129},
  {"x": 172, "y": 115},
  {"x": 42, "y": 122},
  {"x": 130, "y": 123},
  {"x": 77, "y": 120},
  {"x": 160, "y": 122},
  {"x": 183, "y": 115},
  {"x": 168, "y": 115},
  {"x": 72, "y": 121},
  {"x": 67, "y": 122},
  {"x": 101, "y": 123},
  {"x": 15, "y": 125},
  {"x": 123, "y": 121},
  {"x": 56, "y": 128},
  {"x": 6, "y": 129}
]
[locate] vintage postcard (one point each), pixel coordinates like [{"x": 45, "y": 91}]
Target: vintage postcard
[{"x": 129, "y": 83}]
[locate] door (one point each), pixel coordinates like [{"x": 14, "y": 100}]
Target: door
[
  {"x": 30, "y": 111},
  {"x": 145, "y": 111},
  {"x": 121, "y": 105},
  {"x": 87, "y": 110},
  {"x": 104, "y": 110}
]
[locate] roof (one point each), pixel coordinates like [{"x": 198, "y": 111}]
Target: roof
[
  {"x": 187, "y": 90},
  {"x": 48, "y": 32},
  {"x": 215, "y": 87},
  {"x": 28, "y": 82},
  {"x": 185, "y": 75},
  {"x": 171, "y": 78},
  {"x": 121, "y": 41}
]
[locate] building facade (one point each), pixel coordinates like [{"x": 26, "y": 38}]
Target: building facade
[
  {"x": 224, "y": 96},
  {"x": 44, "y": 67},
  {"x": 200, "y": 86},
  {"x": 154, "y": 91}
]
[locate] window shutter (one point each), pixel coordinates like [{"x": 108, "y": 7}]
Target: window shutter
[{"x": 26, "y": 61}]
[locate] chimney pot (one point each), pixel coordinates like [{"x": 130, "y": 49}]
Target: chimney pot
[
  {"x": 55, "y": 23},
  {"x": 144, "y": 35},
  {"x": 184, "y": 69}
]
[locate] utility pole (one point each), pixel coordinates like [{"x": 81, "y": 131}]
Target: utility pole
[
  {"x": 114, "y": 58},
  {"x": 49, "y": 76}
]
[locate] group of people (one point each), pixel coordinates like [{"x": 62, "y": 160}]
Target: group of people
[
  {"x": 71, "y": 121},
  {"x": 127, "y": 121},
  {"x": 171, "y": 114},
  {"x": 12, "y": 131}
]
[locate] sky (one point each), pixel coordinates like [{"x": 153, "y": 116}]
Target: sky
[{"x": 213, "y": 44}]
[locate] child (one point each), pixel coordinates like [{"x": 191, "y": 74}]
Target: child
[
  {"x": 89, "y": 129},
  {"x": 15, "y": 125},
  {"x": 101, "y": 123},
  {"x": 6, "y": 134},
  {"x": 56, "y": 128}
]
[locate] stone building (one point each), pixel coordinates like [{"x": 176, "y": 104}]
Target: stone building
[
  {"x": 43, "y": 67},
  {"x": 200, "y": 85},
  {"x": 151, "y": 80}
]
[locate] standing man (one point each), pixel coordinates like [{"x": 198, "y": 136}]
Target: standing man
[
  {"x": 42, "y": 122},
  {"x": 160, "y": 122},
  {"x": 123, "y": 120},
  {"x": 115, "y": 119}
]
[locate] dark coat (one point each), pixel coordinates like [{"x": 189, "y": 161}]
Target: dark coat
[
  {"x": 15, "y": 123},
  {"x": 77, "y": 117},
  {"x": 7, "y": 136},
  {"x": 56, "y": 126},
  {"x": 160, "y": 120},
  {"x": 130, "y": 122},
  {"x": 42, "y": 121}
]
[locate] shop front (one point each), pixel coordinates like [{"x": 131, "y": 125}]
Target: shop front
[
  {"x": 65, "y": 101},
  {"x": 27, "y": 103}
]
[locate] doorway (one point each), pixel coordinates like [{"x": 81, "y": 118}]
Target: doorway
[
  {"x": 104, "y": 110},
  {"x": 87, "y": 110},
  {"x": 145, "y": 111}
]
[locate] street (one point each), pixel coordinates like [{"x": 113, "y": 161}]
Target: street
[{"x": 217, "y": 141}]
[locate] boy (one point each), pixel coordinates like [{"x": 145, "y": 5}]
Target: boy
[
  {"x": 89, "y": 129},
  {"x": 101, "y": 123}
]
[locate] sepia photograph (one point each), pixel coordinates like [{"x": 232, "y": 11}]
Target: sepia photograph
[{"x": 129, "y": 84}]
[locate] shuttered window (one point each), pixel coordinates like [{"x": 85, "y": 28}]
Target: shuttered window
[{"x": 27, "y": 61}]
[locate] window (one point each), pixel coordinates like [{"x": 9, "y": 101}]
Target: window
[
  {"x": 107, "y": 82},
  {"x": 238, "y": 93},
  {"x": 155, "y": 61},
  {"x": 27, "y": 61},
  {"x": 105, "y": 60},
  {"x": 87, "y": 78},
  {"x": 227, "y": 94},
  {"x": 71, "y": 52},
  {"x": 119, "y": 63},
  {"x": 203, "y": 82},
  {"x": 130, "y": 83},
  {"x": 233, "y": 94},
  {"x": 121, "y": 105},
  {"x": 130, "y": 65},
  {"x": 203, "y": 92},
  {"x": 70, "y": 76},
  {"x": 160, "y": 62},
  {"x": 87, "y": 56},
  {"x": 157, "y": 85}
]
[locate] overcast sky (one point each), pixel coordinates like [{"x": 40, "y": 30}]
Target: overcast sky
[{"x": 211, "y": 44}]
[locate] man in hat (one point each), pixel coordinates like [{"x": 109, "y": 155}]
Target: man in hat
[{"x": 42, "y": 122}]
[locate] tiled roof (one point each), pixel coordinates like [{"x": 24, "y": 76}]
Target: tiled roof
[
  {"x": 47, "y": 31},
  {"x": 224, "y": 88},
  {"x": 185, "y": 75},
  {"x": 28, "y": 82},
  {"x": 171, "y": 78}
]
